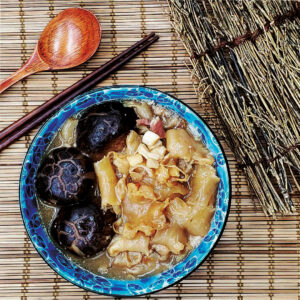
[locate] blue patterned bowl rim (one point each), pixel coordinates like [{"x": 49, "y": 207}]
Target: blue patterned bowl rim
[{"x": 69, "y": 269}]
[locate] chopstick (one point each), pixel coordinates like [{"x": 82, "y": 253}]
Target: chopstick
[{"x": 41, "y": 113}]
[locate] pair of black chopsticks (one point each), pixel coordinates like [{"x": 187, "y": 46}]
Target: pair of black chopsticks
[{"x": 41, "y": 113}]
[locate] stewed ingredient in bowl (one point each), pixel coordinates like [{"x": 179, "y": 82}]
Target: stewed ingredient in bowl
[
  {"x": 155, "y": 189},
  {"x": 65, "y": 177},
  {"x": 84, "y": 229},
  {"x": 103, "y": 128}
]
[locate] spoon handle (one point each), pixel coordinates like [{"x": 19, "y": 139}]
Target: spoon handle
[{"x": 34, "y": 64}]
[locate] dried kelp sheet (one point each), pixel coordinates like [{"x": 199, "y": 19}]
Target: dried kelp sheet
[{"x": 245, "y": 55}]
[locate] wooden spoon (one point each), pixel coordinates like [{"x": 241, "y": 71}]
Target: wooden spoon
[{"x": 68, "y": 40}]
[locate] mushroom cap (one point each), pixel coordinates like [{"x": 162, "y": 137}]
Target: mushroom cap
[
  {"x": 103, "y": 128},
  {"x": 83, "y": 229},
  {"x": 65, "y": 177}
]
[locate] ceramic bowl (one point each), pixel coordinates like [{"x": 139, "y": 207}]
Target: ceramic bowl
[{"x": 70, "y": 270}]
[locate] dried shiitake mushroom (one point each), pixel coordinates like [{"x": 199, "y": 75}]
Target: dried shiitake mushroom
[
  {"x": 65, "y": 177},
  {"x": 83, "y": 229},
  {"x": 103, "y": 128}
]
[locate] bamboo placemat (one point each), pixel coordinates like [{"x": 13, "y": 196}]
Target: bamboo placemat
[{"x": 257, "y": 257}]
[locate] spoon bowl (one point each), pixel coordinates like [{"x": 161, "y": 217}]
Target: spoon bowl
[{"x": 68, "y": 40}]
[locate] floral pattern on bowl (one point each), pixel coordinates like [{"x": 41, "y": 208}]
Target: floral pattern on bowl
[{"x": 76, "y": 274}]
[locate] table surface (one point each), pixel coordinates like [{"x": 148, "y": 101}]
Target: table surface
[{"x": 257, "y": 257}]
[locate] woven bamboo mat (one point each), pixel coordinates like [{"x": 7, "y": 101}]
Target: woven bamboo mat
[{"x": 257, "y": 257}]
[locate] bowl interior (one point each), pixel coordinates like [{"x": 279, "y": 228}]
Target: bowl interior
[{"x": 71, "y": 271}]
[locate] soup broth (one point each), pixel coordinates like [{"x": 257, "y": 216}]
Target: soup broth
[{"x": 165, "y": 190}]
